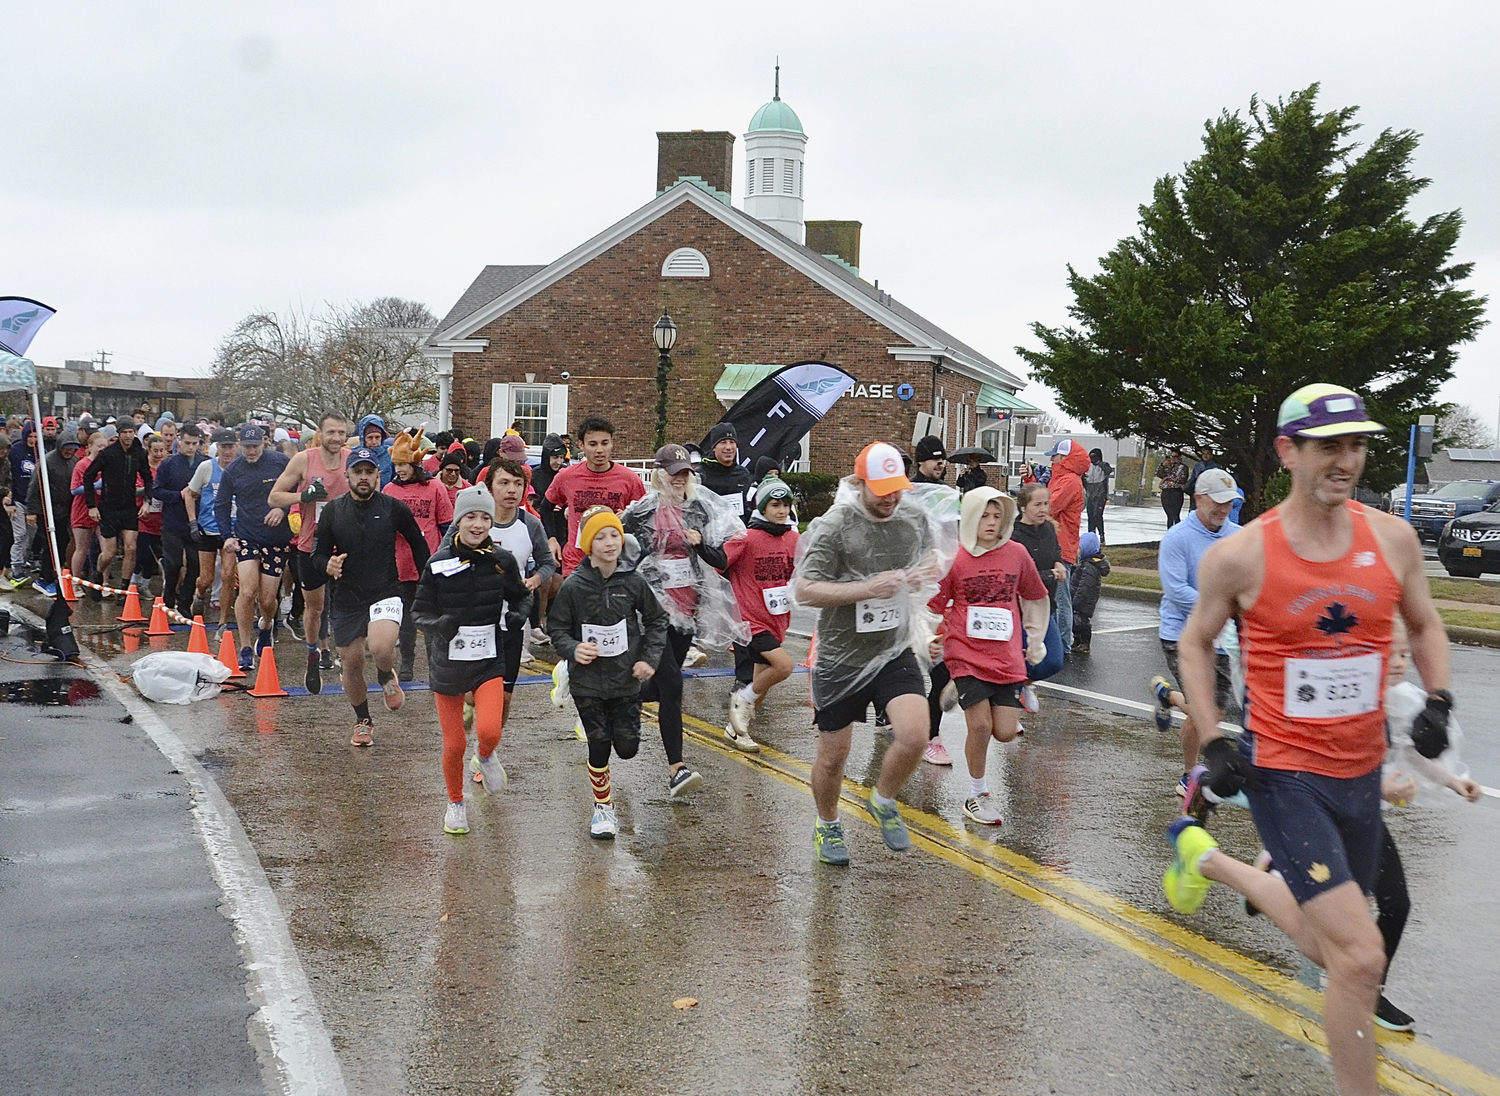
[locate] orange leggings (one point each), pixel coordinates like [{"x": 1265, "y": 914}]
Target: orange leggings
[{"x": 489, "y": 710}]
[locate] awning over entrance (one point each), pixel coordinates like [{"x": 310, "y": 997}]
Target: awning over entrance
[
  {"x": 736, "y": 380},
  {"x": 994, "y": 400}
]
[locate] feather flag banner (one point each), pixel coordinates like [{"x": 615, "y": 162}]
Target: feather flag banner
[
  {"x": 20, "y": 319},
  {"x": 773, "y": 417}
]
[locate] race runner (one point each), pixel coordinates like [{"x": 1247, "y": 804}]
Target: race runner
[
  {"x": 203, "y": 525},
  {"x": 868, "y": 565},
  {"x": 598, "y": 481},
  {"x": 432, "y": 506},
  {"x": 462, "y": 600},
  {"x": 1315, "y": 583},
  {"x": 312, "y": 479},
  {"x": 259, "y": 535},
  {"x": 356, "y": 547},
  {"x": 115, "y": 506}
]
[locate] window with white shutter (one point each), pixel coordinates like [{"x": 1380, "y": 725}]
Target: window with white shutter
[{"x": 788, "y": 172}]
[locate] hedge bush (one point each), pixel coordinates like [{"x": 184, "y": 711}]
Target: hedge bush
[{"x": 812, "y": 491}]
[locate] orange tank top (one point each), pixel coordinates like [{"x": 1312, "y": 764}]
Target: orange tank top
[
  {"x": 1315, "y": 646},
  {"x": 337, "y": 482}
]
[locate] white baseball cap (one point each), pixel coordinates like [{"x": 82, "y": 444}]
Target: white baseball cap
[{"x": 1217, "y": 484}]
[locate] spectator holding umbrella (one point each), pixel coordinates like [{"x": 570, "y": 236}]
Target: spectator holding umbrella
[{"x": 975, "y": 475}]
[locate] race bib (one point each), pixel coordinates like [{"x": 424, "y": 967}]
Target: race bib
[
  {"x": 990, "y": 622},
  {"x": 1329, "y": 688},
  {"x": 879, "y": 614},
  {"x": 156, "y": 505},
  {"x": 387, "y": 609},
  {"x": 318, "y": 510},
  {"x": 778, "y": 600},
  {"x": 474, "y": 643},
  {"x": 611, "y": 639},
  {"x": 676, "y": 573}
]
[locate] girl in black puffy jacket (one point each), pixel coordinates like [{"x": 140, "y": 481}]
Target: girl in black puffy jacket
[{"x": 459, "y": 606}]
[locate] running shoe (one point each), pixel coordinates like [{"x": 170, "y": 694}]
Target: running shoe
[
  {"x": 682, "y": 781},
  {"x": 935, "y": 753},
  {"x": 1197, "y": 800},
  {"x": 694, "y": 659},
  {"x": 20, "y": 582},
  {"x": 741, "y": 712},
  {"x": 457, "y": 819},
  {"x": 882, "y": 721},
  {"x": 560, "y": 690},
  {"x": 294, "y": 625},
  {"x": 247, "y": 658},
  {"x": 1029, "y": 699},
  {"x": 394, "y": 697},
  {"x": 740, "y": 741},
  {"x": 1179, "y": 789},
  {"x": 325, "y": 660},
  {"x": 892, "y": 828},
  {"x": 1161, "y": 692},
  {"x": 285, "y": 605},
  {"x": 362, "y": 735},
  {"x": 603, "y": 826},
  {"x": 539, "y": 636},
  {"x": 407, "y": 671},
  {"x": 948, "y": 698},
  {"x": 828, "y": 841},
  {"x": 1392, "y": 1018},
  {"x": 578, "y": 731},
  {"x": 1184, "y": 884},
  {"x": 314, "y": 678},
  {"x": 263, "y": 641},
  {"x": 47, "y": 588},
  {"x": 982, "y": 809},
  {"x": 489, "y": 773},
  {"x": 200, "y": 607}
]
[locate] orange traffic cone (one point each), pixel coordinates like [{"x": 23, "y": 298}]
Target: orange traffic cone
[
  {"x": 132, "y": 613},
  {"x": 160, "y": 625},
  {"x": 267, "y": 681},
  {"x": 65, "y": 587},
  {"x": 198, "y": 639},
  {"x": 228, "y": 655}
]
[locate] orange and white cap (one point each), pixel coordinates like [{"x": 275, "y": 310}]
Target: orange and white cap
[{"x": 880, "y": 465}]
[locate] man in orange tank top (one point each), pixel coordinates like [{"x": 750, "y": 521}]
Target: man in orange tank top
[
  {"x": 312, "y": 479},
  {"x": 1315, "y": 584}
]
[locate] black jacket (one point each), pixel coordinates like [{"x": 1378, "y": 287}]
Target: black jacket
[
  {"x": 60, "y": 479},
  {"x": 733, "y": 480},
  {"x": 554, "y": 518},
  {"x": 1041, "y": 542},
  {"x": 118, "y": 468},
  {"x": 471, "y": 592},
  {"x": 1088, "y": 577},
  {"x": 974, "y": 477},
  {"x": 367, "y": 531},
  {"x": 587, "y": 597}
]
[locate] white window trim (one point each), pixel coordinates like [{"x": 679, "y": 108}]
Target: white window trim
[{"x": 685, "y": 262}]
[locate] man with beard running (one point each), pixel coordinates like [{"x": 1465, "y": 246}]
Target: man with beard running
[
  {"x": 356, "y": 547},
  {"x": 314, "y": 478}
]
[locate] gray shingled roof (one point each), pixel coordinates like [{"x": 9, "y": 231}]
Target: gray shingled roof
[
  {"x": 493, "y": 281},
  {"x": 1443, "y": 468}
]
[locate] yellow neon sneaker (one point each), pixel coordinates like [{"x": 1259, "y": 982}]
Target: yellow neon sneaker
[{"x": 1184, "y": 884}]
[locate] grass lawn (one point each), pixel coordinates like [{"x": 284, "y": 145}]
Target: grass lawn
[
  {"x": 1471, "y": 618},
  {"x": 1466, "y": 589}
]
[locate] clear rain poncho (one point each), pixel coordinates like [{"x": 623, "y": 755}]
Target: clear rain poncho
[
  {"x": 697, "y": 597},
  {"x": 854, "y": 642},
  {"x": 1402, "y": 703}
]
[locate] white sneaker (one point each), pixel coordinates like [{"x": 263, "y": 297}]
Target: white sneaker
[
  {"x": 981, "y": 808},
  {"x": 740, "y": 741},
  {"x": 1029, "y": 700},
  {"x": 457, "y": 819},
  {"x": 578, "y": 731},
  {"x": 560, "y": 691},
  {"x": 603, "y": 825},
  {"x": 539, "y": 636},
  {"x": 286, "y": 606},
  {"x": 492, "y": 771},
  {"x": 694, "y": 659},
  {"x": 741, "y": 712}
]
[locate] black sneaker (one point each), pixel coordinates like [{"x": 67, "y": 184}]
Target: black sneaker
[
  {"x": 682, "y": 781},
  {"x": 294, "y": 625},
  {"x": 325, "y": 660},
  {"x": 1392, "y": 1018},
  {"x": 314, "y": 678}
]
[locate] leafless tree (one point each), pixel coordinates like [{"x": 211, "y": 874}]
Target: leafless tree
[
  {"x": 358, "y": 359},
  {"x": 1460, "y": 427}
]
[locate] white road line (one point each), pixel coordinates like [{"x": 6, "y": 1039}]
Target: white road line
[
  {"x": 286, "y": 1024},
  {"x": 1131, "y": 628}
]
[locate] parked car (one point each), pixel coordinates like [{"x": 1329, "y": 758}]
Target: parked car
[
  {"x": 1470, "y": 546},
  {"x": 1430, "y": 512}
]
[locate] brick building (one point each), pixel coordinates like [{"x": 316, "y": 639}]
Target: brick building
[{"x": 550, "y": 344}]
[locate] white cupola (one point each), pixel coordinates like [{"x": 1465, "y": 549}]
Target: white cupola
[{"x": 773, "y": 166}]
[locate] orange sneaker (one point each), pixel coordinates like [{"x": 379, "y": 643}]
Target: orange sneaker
[
  {"x": 394, "y": 697},
  {"x": 362, "y": 735}
]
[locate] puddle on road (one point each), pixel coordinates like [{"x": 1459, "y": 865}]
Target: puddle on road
[{"x": 57, "y": 692}]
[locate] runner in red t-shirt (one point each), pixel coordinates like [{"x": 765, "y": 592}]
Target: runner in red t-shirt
[
  {"x": 761, "y": 561},
  {"x": 988, "y": 595},
  {"x": 85, "y": 528},
  {"x": 598, "y": 481}
]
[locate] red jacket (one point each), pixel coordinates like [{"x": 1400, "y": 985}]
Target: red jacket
[{"x": 1066, "y": 490}]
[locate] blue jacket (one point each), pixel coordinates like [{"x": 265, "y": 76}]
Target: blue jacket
[
  {"x": 1177, "y": 563},
  {"x": 245, "y": 491},
  {"x": 382, "y": 451},
  {"x": 23, "y": 460},
  {"x": 172, "y": 475}
]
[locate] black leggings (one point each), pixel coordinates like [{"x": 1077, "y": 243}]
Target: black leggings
[
  {"x": 1171, "y": 504},
  {"x": 940, "y": 679},
  {"x": 612, "y": 725},
  {"x": 666, "y": 689},
  {"x": 1391, "y": 899}
]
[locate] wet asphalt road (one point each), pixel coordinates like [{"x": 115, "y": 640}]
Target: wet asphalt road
[{"x": 528, "y": 958}]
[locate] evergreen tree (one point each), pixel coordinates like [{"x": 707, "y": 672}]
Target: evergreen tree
[{"x": 1284, "y": 255}]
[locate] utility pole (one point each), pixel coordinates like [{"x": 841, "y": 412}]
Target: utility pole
[{"x": 101, "y": 363}]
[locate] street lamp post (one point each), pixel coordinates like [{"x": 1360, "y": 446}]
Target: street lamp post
[{"x": 665, "y": 334}]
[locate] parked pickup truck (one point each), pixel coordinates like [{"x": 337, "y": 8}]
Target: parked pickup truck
[{"x": 1429, "y": 513}]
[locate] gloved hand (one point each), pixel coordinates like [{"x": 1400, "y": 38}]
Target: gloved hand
[
  {"x": 194, "y": 531},
  {"x": 314, "y": 491},
  {"x": 1429, "y": 730},
  {"x": 1229, "y": 771}
]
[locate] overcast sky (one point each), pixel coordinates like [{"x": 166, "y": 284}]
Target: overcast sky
[{"x": 171, "y": 167}]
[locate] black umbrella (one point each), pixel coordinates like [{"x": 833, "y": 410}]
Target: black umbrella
[{"x": 972, "y": 453}]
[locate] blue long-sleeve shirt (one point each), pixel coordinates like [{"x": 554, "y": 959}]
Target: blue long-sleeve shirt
[
  {"x": 245, "y": 493},
  {"x": 1177, "y": 563},
  {"x": 172, "y": 475}
]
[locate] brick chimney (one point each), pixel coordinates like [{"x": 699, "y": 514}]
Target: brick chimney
[
  {"x": 707, "y": 155},
  {"x": 835, "y": 239}
]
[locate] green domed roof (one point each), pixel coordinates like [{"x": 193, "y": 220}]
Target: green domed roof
[{"x": 776, "y": 115}]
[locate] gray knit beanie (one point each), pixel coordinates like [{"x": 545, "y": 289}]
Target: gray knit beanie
[{"x": 470, "y": 499}]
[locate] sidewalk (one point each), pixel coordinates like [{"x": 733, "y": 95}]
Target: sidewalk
[{"x": 121, "y": 975}]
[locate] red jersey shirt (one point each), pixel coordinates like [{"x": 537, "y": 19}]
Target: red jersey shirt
[
  {"x": 432, "y": 506},
  {"x": 577, "y": 488},
  {"x": 151, "y": 523},
  {"x": 78, "y": 515},
  {"x": 759, "y": 572},
  {"x": 980, "y": 600}
]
